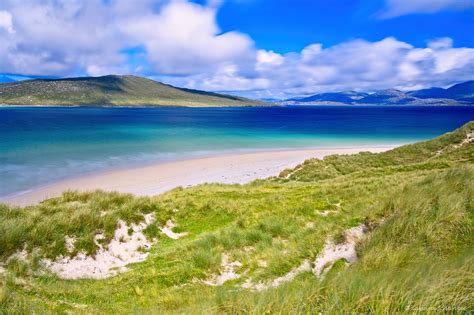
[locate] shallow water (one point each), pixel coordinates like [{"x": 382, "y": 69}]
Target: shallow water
[{"x": 42, "y": 145}]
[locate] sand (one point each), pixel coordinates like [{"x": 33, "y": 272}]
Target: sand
[
  {"x": 161, "y": 177},
  {"x": 333, "y": 252},
  {"x": 124, "y": 249},
  {"x": 227, "y": 272},
  {"x": 325, "y": 260},
  {"x": 168, "y": 230},
  {"x": 290, "y": 276}
]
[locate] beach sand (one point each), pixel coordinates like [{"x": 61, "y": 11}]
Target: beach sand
[{"x": 161, "y": 177}]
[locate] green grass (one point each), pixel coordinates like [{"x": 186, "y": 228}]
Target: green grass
[
  {"x": 112, "y": 90},
  {"x": 419, "y": 260}
]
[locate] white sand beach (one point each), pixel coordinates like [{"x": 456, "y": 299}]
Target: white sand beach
[{"x": 158, "y": 178}]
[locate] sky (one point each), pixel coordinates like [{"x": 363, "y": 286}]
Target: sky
[{"x": 255, "y": 48}]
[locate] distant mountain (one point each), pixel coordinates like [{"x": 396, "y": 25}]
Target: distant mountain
[
  {"x": 270, "y": 100},
  {"x": 111, "y": 90},
  {"x": 342, "y": 97},
  {"x": 434, "y": 92},
  {"x": 459, "y": 94},
  {"x": 6, "y": 79},
  {"x": 390, "y": 96},
  {"x": 462, "y": 91}
]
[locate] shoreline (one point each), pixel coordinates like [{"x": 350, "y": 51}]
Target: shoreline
[
  {"x": 234, "y": 106},
  {"x": 129, "y": 106},
  {"x": 156, "y": 178}
]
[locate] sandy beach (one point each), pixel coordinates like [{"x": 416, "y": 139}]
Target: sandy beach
[{"x": 161, "y": 177}]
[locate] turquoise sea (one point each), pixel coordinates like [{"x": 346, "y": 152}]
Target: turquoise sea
[{"x": 39, "y": 145}]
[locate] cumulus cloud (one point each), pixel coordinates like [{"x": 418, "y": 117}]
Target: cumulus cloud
[
  {"x": 180, "y": 43},
  {"x": 65, "y": 37},
  {"x": 6, "y": 22},
  {"x": 396, "y": 8},
  {"x": 364, "y": 65},
  {"x": 60, "y": 38},
  {"x": 183, "y": 38},
  {"x": 353, "y": 65}
]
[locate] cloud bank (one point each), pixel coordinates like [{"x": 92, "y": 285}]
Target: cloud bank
[{"x": 180, "y": 43}]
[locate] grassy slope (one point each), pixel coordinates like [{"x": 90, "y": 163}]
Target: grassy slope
[
  {"x": 420, "y": 259},
  {"x": 111, "y": 90}
]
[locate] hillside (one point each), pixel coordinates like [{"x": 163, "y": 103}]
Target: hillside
[
  {"x": 434, "y": 92},
  {"x": 111, "y": 90},
  {"x": 458, "y": 94},
  {"x": 389, "y": 96},
  {"x": 463, "y": 92},
  {"x": 368, "y": 233}
]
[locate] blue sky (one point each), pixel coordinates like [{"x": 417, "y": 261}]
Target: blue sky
[
  {"x": 286, "y": 26},
  {"x": 256, "y": 48}
]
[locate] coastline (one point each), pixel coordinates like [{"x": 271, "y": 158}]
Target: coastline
[
  {"x": 153, "y": 179},
  {"x": 234, "y": 106},
  {"x": 131, "y": 106}
]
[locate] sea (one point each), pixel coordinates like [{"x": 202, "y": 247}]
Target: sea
[{"x": 41, "y": 145}]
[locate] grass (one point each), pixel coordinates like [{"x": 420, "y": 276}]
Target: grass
[{"x": 419, "y": 260}]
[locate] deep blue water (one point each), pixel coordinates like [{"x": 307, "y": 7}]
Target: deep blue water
[{"x": 41, "y": 145}]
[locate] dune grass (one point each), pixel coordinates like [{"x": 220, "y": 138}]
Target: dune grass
[{"x": 418, "y": 256}]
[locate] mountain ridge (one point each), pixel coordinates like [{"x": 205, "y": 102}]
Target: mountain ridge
[
  {"x": 458, "y": 94},
  {"x": 346, "y": 96}
]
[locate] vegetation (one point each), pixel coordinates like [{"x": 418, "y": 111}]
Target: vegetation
[
  {"x": 112, "y": 90},
  {"x": 418, "y": 256}
]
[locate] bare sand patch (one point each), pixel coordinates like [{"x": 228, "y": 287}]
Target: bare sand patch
[
  {"x": 125, "y": 248},
  {"x": 69, "y": 243},
  {"x": 21, "y": 255},
  {"x": 227, "y": 272},
  {"x": 333, "y": 252},
  {"x": 330, "y": 254},
  {"x": 469, "y": 138},
  {"x": 168, "y": 230},
  {"x": 262, "y": 263},
  {"x": 304, "y": 267}
]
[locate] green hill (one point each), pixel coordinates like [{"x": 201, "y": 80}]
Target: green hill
[
  {"x": 415, "y": 203},
  {"x": 111, "y": 90}
]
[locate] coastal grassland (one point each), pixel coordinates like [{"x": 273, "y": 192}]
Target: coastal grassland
[{"x": 418, "y": 256}]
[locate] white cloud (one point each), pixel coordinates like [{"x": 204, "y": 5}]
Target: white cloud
[
  {"x": 353, "y": 65},
  {"x": 60, "y": 37},
  {"x": 440, "y": 43},
  {"x": 183, "y": 38},
  {"x": 396, "y": 8},
  {"x": 6, "y": 22},
  {"x": 268, "y": 59},
  {"x": 224, "y": 79},
  {"x": 65, "y": 37},
  {"x": 311, "y": 51}
]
